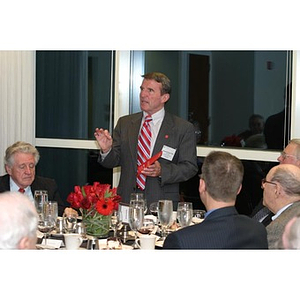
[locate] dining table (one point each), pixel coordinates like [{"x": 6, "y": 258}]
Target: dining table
[{"x": 124, "y": 237}]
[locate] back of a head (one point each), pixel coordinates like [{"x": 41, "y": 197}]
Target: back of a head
[
  {"x": 223, "y": 175},
  {"x": 296, "y": 142},
  {"x": 18, "y": 220},
  {"x": 291, "y": 235}
]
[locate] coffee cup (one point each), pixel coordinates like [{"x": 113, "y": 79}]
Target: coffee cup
[
  {"x": 73, "y": 241},
  {"x": 146, "y": 242}
]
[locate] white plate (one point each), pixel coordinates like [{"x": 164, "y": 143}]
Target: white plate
[{"x": 196, "y": 220}]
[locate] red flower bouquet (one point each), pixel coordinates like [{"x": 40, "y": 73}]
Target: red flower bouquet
[{"x": 96, "y": 203}]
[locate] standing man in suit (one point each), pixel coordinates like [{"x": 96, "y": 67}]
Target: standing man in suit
[
  {"x": 169, "y": 133},
  {"x": 20, "y": 161},
  {"x": 282, "y": 197},
  {"x": 222, "y": 227}
]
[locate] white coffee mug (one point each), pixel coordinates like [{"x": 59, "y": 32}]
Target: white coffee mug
[
  {"x": 73, "y": 241},
  {"x": 146, "y": 242}
]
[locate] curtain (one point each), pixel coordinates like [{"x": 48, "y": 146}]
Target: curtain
[{"x": 17, "y": 99}]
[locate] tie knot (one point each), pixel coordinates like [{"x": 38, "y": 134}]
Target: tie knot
[
  {"x": 148, "y": 118},
  {"x": 21, "y": 190}
]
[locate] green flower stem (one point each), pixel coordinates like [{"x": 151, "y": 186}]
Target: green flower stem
[{"x": 96, "y": 224}]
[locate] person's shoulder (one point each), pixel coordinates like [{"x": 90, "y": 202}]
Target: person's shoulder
[
  {"x": 4, "y": 177},
  {"x": 45, "y": 180}
]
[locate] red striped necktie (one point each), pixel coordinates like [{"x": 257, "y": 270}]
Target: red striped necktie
[
  {"x": 144, "y": 144},
  {"x": 21, "y": 190}
]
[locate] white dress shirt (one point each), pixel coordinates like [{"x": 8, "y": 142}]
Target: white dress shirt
[{"x": 14, "y": 188}]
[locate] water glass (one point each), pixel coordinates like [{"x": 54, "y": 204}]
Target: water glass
[
  {"x": 184, "y": 213},
  {"x": 52, "y": 209},
  {"x": 40, "y": 197},
  {"x": 139, "y": 197}
]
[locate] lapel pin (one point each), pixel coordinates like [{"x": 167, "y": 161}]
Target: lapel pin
[{"x": 166, "y": 136}]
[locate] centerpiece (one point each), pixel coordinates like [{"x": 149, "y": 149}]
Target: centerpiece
[{"x": 96, "y": 203}]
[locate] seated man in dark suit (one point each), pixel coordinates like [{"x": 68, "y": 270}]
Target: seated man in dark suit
[
  {"x": 20, "y": 161},
  {"x": 223, "y": 227}
]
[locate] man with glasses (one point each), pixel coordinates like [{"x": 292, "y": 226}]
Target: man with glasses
[
  {"x": 290, "y": 155},
  {"x": 282, "y": 197}
]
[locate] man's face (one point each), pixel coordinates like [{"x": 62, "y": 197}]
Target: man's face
[
  {"x": 269, "y": 188},
  {"x": 288, "y": 155},
  {"x": 151, "y": 99},
  {"x": 23, "y": 170}
]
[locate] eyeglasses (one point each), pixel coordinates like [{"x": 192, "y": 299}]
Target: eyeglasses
[
  {"x": 264, "y": 181},
  {"x": 285, "y": 155}
]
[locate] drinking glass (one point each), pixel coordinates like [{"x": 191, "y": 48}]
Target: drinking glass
[
  {"x": 53, "y": 209},
  {"x": 184, "y": 213},
  {"x": 40, "y": 197},
  {"x": 115, "y": 222},
  {"x": 147, "y": 226},
  {"x": 153, "y": 208},
  {"x": 165, "y": 212},
  {"x": 137, "y": 197},
  {"x": 136, "y": 217},
  {"x": 46, "y": 221},
  {"x": 70, "y": 221}
]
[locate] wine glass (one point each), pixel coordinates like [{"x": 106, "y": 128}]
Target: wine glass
[
  {"x": 153, "y": 208},
  {"x": 136, "y": 217},
  {"x": 137, "y": 197},
  {"x": 165, "y": 213},
  {"x": 46, "y": 222},
  {"x": 70, "y": 221},
  {"x": 184, "y": 213}
]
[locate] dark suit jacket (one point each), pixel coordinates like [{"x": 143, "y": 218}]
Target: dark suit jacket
[
  {"x": 39, "y": 183},
  {"x": 223, "y": 228},
  {"x": 176, "y": 133}
]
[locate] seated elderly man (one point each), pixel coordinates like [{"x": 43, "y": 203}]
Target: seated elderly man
[
  {"x": 282, "y": 197},
  {"x": 223, "y": 227},
  {"x": 21, "y": 159},
  {"x": 18, "y": 221}
]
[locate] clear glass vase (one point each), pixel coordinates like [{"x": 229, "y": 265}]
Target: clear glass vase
[{"x": 96, "y": 224}]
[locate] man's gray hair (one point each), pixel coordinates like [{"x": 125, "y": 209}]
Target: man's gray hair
[
  {"x": 18, "y": 219},
  {"x": 20, "y": 147}
]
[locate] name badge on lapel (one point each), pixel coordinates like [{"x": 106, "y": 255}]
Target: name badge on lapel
[{"x": 168, "y": 153}]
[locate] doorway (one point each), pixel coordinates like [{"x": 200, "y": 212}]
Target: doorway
[{"x": 198, "y": 99}]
